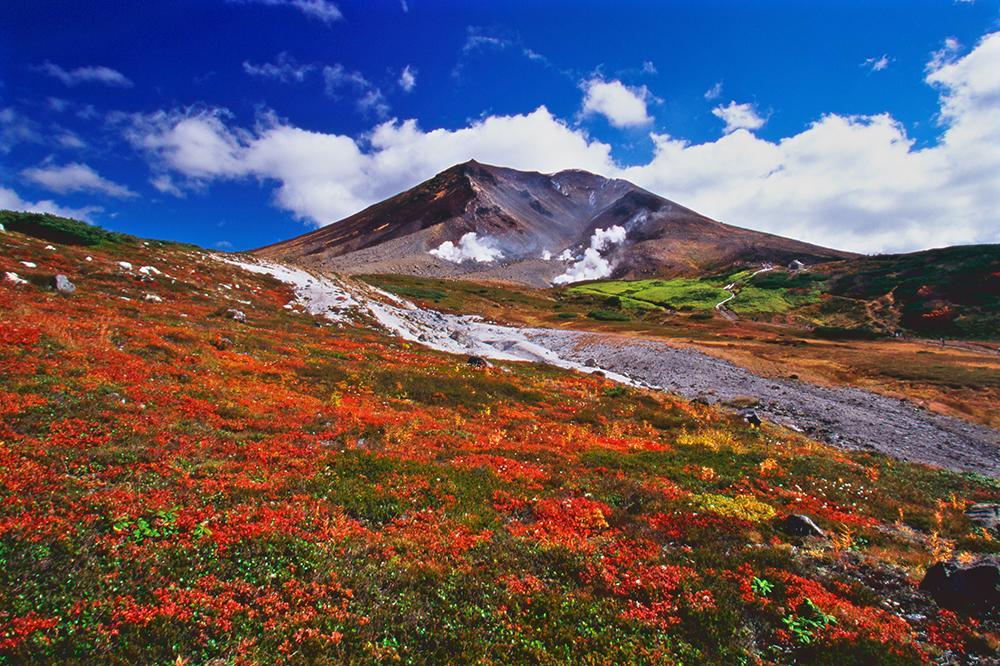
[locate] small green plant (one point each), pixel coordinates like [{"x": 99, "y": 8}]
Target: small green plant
[
  {"x": 761, "y": 586},
  {"x": 804, "y": 626}
]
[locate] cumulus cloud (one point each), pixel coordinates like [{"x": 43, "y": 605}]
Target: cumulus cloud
[
  {"x": 325, "y": 177},
  {"x": 621, "y": 105},
  {"x": 877, "y": 64},
  {"x": 738, "y": 116},
  {"x": 9, "y": 200},
  {"x": 470, "y": 248},
  {"x": 74, "y": 177},
  {"x": 322, "y": 10},
  {"x": 88, "y": 74},
  {"x": 594, "y": 265},
  {"x": 853, "y": 182},
  {"x": 408, "y": 79},
  {"x": 285, "y": 69}
]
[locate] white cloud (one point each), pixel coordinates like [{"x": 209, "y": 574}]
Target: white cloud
[
  {"x": 165, "y": 184},
  {"x": 941, "y": 57},
  {"x": 324, "y": 177},
  {"x": 408, "y": 79},
  {"x": 714, "y": 92},
  {"x": 68, "y": 139},
  {"x": 9, "y": 200},
  {"x": 854, "y": 182},
  {"x": 89, "y": 74},
  {"x": 74, "y": 177},
  {"x": 404, "y": 6},
  {"x": 621, "y": 105},
  {"x": 593, "y": 265},
  {"x": 470, "y": 248},
  {"x": 16, "y": 128},
  {"x": 877, "y": 64},
  {"x": 284, "y": 69},
  {"x": 738, "y": 116},
  {"x": 649, "y": 67},
  {"x": 323, "y": 10},
  {"x": 369, "y": 98}
]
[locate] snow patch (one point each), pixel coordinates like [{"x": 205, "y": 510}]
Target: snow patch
[
  {"x": 566, "y": 255},
  {"x": 15, "y": 278},
  {"x": 593, "y": 265},
  {"x": 546, "y": 255},
  {"x": 29, "y": 264},
  {"x": 470, "y": 247}
]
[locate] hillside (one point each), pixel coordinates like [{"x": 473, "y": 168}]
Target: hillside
[
  {"x": 532, "y": 228},
  {"x": 195, "y": 469}
]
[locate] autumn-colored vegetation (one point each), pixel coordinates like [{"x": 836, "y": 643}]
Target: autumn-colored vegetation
[{"x": 176, "y": 485}]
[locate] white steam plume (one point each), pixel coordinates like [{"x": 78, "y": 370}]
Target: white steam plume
[
  {"x": 593, "y": 265},
  {"x": 469, "y": 247}
]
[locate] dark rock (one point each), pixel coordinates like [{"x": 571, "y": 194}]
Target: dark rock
[
  {"x": 751, "y": 417},
  {"x": 801, "y": 525},
  {"x": 972, "y": 589},
  {"x": 985, "y": 515},
  {"x": 222, "y": 343},
  {"x": 478, "y": 362},
  {"x": 236, "y": 315},
  {"x": 591, "y": 363},
  {"x": 63, "y": 285}
]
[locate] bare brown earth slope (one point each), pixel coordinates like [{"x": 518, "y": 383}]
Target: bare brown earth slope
[{"x": 531, "y": 219}]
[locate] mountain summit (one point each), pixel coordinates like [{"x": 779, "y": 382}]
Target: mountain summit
[{"x": 491, "y": 222}]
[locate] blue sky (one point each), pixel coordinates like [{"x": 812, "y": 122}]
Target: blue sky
[{"x": 869, "y": 126}]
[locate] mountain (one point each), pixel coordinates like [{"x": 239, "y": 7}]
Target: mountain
[{"x": 524, "y": 221}]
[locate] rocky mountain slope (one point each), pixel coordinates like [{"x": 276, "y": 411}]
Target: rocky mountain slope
[{"x": 496, "y": 223}]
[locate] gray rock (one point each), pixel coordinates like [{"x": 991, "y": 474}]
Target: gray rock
[
  {"x": 985, "y": 515},
  {"x": 799, "y": 524},
  {"x": 63, "y": 285},
  {"x": 750, "y": 416},
  {"x": 236, "y": 315},
  {"x": 972, "y": 589}
]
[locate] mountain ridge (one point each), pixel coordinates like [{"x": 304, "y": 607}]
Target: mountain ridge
[{"x": 529, "y": 219}]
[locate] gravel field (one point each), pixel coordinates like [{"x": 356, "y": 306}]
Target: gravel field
[{"x": 850, "y": 418}]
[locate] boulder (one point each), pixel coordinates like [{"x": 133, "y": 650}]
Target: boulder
[
  {"x": 973, "y": 589},
  {"x": 985, "y": 515},
  {"x": 63, "y": 285},
  {"x": 236, "y": 315},
  {"x": 801, "y": 525},
  {"x": 478, "y": 362},
  {"x": 750, "y": 416}
]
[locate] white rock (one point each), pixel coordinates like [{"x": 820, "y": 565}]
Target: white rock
[
  {"x": 124, "y": 265},
  {"x": 89, "y": 259},
  {"x": 15, "y": 278},
  {"x": 149, "y": 270},
  {"x": 49, "y": 247},
  {"x": 153, "y": 298},
  {"x": 29, "y": 264}
]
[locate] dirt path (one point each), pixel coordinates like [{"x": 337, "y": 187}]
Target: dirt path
[
  {"x": 850, "y": 418},
  {"x": 721, "y": 305}
]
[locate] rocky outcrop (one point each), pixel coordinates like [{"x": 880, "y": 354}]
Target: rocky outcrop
[{"x": 973, "y": 589}]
